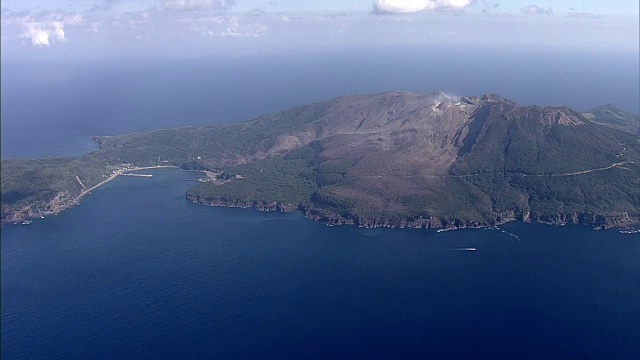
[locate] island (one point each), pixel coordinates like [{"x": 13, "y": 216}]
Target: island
[{"x": 394, "y": 159}]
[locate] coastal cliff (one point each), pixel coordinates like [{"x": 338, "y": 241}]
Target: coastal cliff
[
  {"x": 394, "y": 159},
  {"x": 257, "y": 205},
  {"x": 424, "y": 222},
  {"x": 61, "y": 201}
]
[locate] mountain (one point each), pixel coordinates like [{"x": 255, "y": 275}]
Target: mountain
[
  {"x": 391, "y": 159},
  {"x": 614, "y": 117}
]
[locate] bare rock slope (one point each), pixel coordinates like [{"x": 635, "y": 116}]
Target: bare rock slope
[{"x": 390, "y": 159}]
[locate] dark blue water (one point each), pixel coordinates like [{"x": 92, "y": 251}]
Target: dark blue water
[
  {"x": 135, "y": 271},
  {"x": 52, "y": 108}
]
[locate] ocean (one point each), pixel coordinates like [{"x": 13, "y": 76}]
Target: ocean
[
  {"x": 136, "y": 271},
  {"x": 53, "y": 108}
]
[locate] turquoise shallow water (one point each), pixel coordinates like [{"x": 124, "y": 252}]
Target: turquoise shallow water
[{"x": 136, "y": 271}]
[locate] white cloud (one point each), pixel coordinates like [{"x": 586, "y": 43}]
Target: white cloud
[
  {"x": 224, "y": 26},
  {"x": 235, "y": 29},
  {"x": 41, "y": 31},
  {"x": 537, "y": 10},
  {"x": 583, "y": 15},
  {"x": 37, "y": 35},
  {"x": 94, "y": 27},
  {"x": 256, "y": 12},
  {"x": 195, "y": 5},
  {"x": 413, "y": 6},
  {"x": 58, "y": 30}
]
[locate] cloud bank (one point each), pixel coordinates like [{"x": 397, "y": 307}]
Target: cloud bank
[
  {"x": 235, "y": 29},
  {"x": 537, "y": 10},
  {"x": 197, "y": 5},
  {"x": 414, "y": 6},
  {"x": 583, "y": 15},
  {"x": 202, "y": 27},
  {"x": 43, "y": 31}
]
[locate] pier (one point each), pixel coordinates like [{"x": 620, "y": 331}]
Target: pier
[{"x": 139, "y": 175}]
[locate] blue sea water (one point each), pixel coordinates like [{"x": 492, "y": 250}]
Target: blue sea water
[
  {"x": 136, "y": 271},
  {"x": 52, "y": 108}
]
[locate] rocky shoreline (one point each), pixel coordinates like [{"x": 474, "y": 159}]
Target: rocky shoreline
[
  {"x": 431, "y": 222},
  {"x": 63, "y": 201},
  {"x": 244, "y": 204},
  {"x": 60, "y": 202}
]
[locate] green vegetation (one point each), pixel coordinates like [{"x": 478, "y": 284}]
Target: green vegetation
[
  {"x": 26, "y": 182},
  {"x": 476, "y": 163},
  {"x": 272, "y": 180},
  {"x": 206, "y": 147},
  {"x": 610, "y": 115}
]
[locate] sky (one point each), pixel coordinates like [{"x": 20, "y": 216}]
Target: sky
[
  {"x": 591, "y": 6},
  {"x": 85, "y": 29}
]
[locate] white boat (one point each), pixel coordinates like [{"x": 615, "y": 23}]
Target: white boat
[{"x": 634, "y": 231}]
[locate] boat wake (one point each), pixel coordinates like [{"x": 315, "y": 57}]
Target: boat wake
[{"x": 508, "y": 233}]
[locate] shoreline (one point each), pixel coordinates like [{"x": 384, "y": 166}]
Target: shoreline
[
  {"x": 436, "y": 223},
  {"x": 118, "y": 173},
  {"x": 63, "y": 201}
]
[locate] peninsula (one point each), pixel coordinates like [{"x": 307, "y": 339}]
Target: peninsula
[{"x": 394, "y": 159}]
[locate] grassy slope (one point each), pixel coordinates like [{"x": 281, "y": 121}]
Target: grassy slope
[
  {"x": 616, "y": 118},
  {"x": 487, "y": 178},
  {"x": 26, "y": 182},
  {"x": 486, "y": 181}
]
